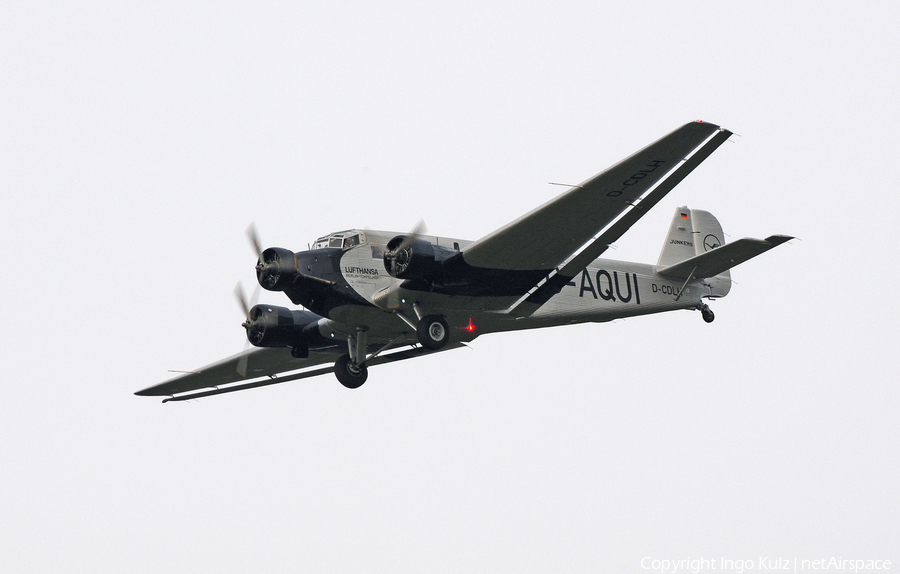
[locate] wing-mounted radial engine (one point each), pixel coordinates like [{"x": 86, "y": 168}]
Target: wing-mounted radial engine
[
  {"x": 271, "y": 326},
  {"x": 430, "y": 267},
  {"x": 409, "y": 257}
]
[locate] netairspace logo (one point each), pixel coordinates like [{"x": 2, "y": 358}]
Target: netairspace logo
[{"x": 762, "y": 564}]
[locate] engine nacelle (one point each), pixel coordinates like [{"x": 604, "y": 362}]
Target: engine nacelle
[
  {"x": 277, "y": 269},
  {"x": 271, "y": 326},
  {"x": 416, "y": 259}
]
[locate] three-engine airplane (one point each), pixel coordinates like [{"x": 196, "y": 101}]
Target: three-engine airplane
[{"x": 372, "y": 297}]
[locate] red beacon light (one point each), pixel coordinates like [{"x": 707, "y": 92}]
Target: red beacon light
[{"x": 470, "y": 327}]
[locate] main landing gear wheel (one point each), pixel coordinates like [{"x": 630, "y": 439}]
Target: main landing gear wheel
[
  {"x": 707, "y": 313},
  {"x": 350, "y": 374},
  {"x": 433, "y": 332}
]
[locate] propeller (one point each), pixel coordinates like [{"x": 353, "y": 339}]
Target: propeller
[
  {"x": 247, "y": 324},
  {"x": 418, "y": 230},
  {"x": 253, "y": 236},
  {"x": 397, "y": 258},
  {"x": 261, "y": 263},
  {"x": 269, "y": 262},
  {"x": 242, "y": 301},
  {"x": 399, "y": 255}
]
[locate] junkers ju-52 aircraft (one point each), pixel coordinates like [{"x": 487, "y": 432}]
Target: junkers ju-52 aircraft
[{"x": 373, "y": 297}]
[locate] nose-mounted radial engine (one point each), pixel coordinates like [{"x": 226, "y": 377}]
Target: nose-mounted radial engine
[
  {"x": 276, "y": 269},
  {"x": 308, "y": 278},
  {"x": 274, "y": 326}
]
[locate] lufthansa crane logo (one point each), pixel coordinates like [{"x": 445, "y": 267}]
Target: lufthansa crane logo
[{"x": 710, "y": 242}]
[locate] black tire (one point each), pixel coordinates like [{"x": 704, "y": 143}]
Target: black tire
[
  {"x": 708, "y": 315},
  {"x": 433, "y": 332},
  {"x": 350, "y": 375}
]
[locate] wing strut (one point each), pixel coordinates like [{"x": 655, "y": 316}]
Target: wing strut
[{"x": 574, "y": 266}]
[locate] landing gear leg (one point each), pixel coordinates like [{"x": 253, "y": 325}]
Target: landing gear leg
[{"x": 707, "y": 313}]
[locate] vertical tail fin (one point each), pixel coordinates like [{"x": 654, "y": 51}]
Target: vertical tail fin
[
  {"x": 679, "y": 243},
  {"x": 694, "y": 232}
]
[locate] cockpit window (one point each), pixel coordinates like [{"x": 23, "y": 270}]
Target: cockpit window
[{"x": 341, "y": 240}]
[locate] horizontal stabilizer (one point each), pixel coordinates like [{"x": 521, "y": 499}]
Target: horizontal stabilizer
[{"x": 722, "y": 258}]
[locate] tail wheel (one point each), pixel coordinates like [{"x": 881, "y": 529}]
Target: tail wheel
[
  {"x": 433, "y": 332},
  {"x": 708, "y": 315},
  {"x": 350, "y": 374}
]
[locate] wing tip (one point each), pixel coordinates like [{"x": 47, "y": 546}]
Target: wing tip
[
  {"x": 705, "y": 124},
  {"x": 776, "y": 240}
]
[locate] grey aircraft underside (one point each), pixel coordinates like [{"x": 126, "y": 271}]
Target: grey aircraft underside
[{"x": 372, "y": 297}]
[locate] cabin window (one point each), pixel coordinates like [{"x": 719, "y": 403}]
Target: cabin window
[{"x": 351, "y": 241}]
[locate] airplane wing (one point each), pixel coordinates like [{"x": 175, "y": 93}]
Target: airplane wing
[
  {"x": 264, "y": 367},
  {"x": 545, "y": 237},
  {"x": 598, "y": 246},
  {"x": 261, "y": 362}
]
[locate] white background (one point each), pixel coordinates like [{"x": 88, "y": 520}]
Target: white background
[{"x": 138, "y": 141}]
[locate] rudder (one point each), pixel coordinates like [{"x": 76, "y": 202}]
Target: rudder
[{"x": 694, "y": 232}]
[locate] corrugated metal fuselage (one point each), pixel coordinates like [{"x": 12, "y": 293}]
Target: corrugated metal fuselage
[{"x": 604, "y": 291}]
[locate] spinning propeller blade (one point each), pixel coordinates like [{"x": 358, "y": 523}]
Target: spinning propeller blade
[
  {"x": 253, "y": 236},
  {"x": 393, "y": 254},
  {"x": 418, "y": 230},
  {"x": 245, "y": 307},
  {"x": 242, "y": 300}
]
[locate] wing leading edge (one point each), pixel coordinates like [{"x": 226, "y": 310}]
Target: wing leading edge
[
  {"x": 261, "y": 362},
  {"x": 263, "y": 367},
  {"x": 596, "y": 248},
  {"x": 410, "y": 353},
  {"x": 545, "y": 237}
]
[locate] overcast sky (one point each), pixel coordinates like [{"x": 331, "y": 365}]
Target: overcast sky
[{"x": 138, "y": 141}]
